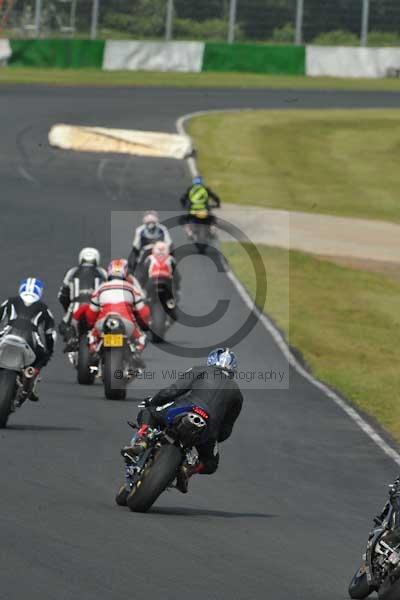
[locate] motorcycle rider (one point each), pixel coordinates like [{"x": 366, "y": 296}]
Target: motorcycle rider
[
  {"x": 161, "y": 266},
  {"x": 214, "y": 390},
  {"x": 78, "y": 285},
  {"x": 393, "y": 535},
  {"x": 146, "y": 235},
  {"x": 121, "y": 295},
  {"x": 28, "y": 316},
  {"x": 196, "y": 200}
]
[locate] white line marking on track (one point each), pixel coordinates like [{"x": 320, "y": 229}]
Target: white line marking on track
[
  {"x": 277, "y": 336},
  {"x": 26, "y": 175}
]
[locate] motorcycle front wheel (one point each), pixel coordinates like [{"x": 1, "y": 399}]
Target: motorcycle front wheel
[
  {"x": 7, "y": 392},
  {"x": 359, "y": 587},
  {"x": 158, "y": 322},
  {"x": 155, "y": 479}
]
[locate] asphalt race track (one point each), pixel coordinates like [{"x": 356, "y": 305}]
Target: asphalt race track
[{"x": 287, "y": 513}]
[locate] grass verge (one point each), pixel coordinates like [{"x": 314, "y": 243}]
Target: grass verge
[
  {"x": 345, "y": 322},
  {"x": 338, "y": 162},
  {"x": 95, "y": 77}
]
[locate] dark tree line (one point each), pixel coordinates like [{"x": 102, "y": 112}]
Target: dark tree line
[{"x": 257, "y": 19}]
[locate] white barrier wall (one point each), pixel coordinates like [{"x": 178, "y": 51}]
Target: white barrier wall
[
  {"x": 153, "y": 56},
  {"x": 5, "y": 51},
  {"x": 342, "y": 61}
]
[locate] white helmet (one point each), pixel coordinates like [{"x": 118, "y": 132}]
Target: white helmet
[
  {"x": 151, "y": 219},
  {"x": 89, "y": 256}
]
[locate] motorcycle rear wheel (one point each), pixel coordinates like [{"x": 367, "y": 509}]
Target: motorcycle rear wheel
[
  {"x": 113, "y": 362},
  {"x": 359, "y": 587},
  {"x": 84, "y": 374},
  {"x": 156, "y": 479},
  {"x": 389, "y": 590},
  {"x": 7, "y": 392},
  {"x": 159, "y": 322}
]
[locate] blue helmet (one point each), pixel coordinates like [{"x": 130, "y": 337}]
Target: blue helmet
[
  {"x": 224, "y": 358},
  {"x": 31, "y": 290},
  {"x": 197, "y": 180}
]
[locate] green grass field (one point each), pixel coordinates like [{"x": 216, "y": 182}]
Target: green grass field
[
  {"x": 95, "y": 77},
  {"x": 338, "y": 162},
  {"x": 345, "y": 322}
]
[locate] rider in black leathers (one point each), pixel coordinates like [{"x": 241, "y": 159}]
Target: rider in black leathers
[
  {"x": 210, "y": 387},
  {"x": 26, "y": 315},
  {"x": 78, "y": 285}
]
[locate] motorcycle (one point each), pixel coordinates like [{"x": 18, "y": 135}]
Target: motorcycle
[
  {"x": 380, "y": 569},
  {"x": 117, "y": 359},
  {"x": 16, "y": 373},
  {"x": 153, "y": 471},
  {"x": 162, "y": 305}
]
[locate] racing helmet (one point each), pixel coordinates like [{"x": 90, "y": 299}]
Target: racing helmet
[
  {"x": 160, "y": 250},
  {"x": 30, "y": 290},
  {"x": 198, "y": 180},
  {"x": 89, "y": 256},
  {"x": 151, "y": 220},
  {"x": 224, "y": 358},
  {"x": 118, "y": 269}
]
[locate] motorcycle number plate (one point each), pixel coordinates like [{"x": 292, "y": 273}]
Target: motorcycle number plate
[{"x": 113, "y": 340}]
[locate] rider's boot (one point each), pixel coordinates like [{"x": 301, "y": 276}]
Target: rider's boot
[
  {"x": 71, "y": 340},
  {"x": 185, "y": 472},
  {"x": 139, "y": 444}
]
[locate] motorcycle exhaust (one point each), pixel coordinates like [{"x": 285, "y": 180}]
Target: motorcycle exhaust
[
  {"x": 171, "y": 304},
  {"x": 29, "y": 372}
]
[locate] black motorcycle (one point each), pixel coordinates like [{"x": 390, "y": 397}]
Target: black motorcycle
[
  {"x": 162, "y": 304},
  {"x": 380, "y": 570},
  {"x": 150, "y": 473},
  {"x": 16, "y": 373}
]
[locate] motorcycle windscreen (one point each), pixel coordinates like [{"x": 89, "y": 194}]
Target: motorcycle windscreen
[{"x": 15, "y": 353}]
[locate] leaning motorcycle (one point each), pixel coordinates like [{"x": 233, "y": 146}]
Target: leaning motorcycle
[
  {"x": 162, "y": 304},
  {"x": 150, "y": 473},
  {"x": 380, "y": 569},
  {"x": 119, "y": 361},
  {"x": 16, "y": 373}
]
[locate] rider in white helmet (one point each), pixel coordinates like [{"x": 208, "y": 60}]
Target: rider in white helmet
[
  {"x": 146, "y": 235},
  {"x": 77, "y": 287}
]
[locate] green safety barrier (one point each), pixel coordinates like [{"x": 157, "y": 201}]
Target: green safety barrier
[
  {"x": 62, "y": 54},
  {"x": 255, "y": 58}
]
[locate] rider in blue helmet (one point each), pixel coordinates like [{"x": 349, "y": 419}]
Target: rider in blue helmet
[
  {"x": 213, "y": 390},
  {"x": 27, "y": 315},
  {"x": 198, "y": 201},
  {"x": 224, "y": 358}
]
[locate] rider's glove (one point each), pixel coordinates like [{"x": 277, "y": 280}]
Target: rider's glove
[{"x": 145, "y": 403}]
